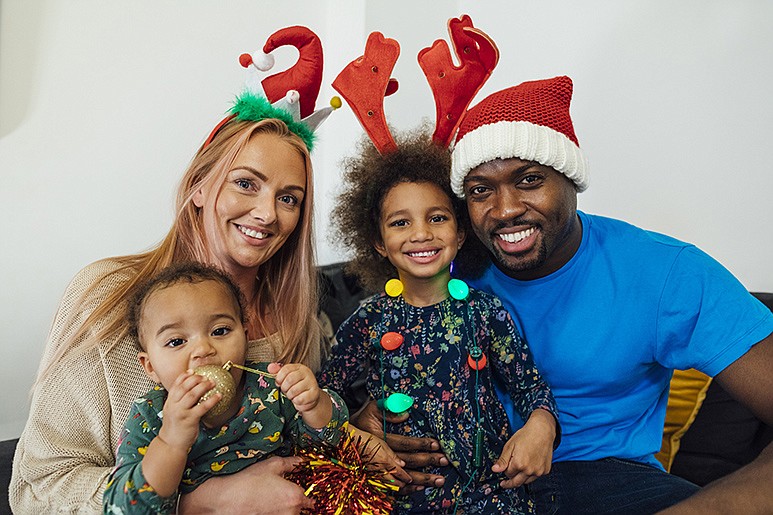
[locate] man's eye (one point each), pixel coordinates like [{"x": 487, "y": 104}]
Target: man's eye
[
  {"x": 175, "y": 342},
  {"x": 477, "y": 190}
]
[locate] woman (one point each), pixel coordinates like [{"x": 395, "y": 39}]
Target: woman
[{"x": 245, "y": 205}]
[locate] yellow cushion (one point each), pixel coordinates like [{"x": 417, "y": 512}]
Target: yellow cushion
[{"x": 688, "y": 390}]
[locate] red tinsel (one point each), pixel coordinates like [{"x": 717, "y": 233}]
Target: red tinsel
[{"x": 341, "y": 481}]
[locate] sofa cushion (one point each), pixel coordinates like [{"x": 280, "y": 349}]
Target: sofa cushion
[{"x": 688, "y": 390}]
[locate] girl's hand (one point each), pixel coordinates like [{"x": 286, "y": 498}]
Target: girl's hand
[
  {"x": 182, "y": 411},
  {"x": 528, "y": 454}
]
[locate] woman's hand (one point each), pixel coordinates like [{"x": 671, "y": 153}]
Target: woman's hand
[
  {"x": 257, "y": 490},
  {"x": 528, "y": 454},
  {"x": 415, "y": 453}
]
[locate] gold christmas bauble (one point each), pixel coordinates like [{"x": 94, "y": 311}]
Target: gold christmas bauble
[{"x": 224, "y": 384}]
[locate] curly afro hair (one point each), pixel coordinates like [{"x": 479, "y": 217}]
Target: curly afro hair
[{"x": 368, "y": 177}]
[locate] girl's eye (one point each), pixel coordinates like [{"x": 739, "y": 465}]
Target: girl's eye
[
  {"x": 175, "y": 342},
  {"x": 221, "y": 331},
  {"x": 290, "y": 200},
  {"x": 398, "y": 223},
  {"x": 438, "y": 218}
]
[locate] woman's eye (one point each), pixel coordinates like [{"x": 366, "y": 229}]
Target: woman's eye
[
  {"x": 244, "y": 184},
  {"x": 290, "y": 200},
  {"x": 175, "y": 342},
  {"x": 221, "y": 331}
]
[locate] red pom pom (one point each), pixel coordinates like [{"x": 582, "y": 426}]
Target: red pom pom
[{"x": 245, "y": 60}]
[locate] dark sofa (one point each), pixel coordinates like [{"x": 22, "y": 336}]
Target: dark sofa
[{"x": 724, "y": 436}]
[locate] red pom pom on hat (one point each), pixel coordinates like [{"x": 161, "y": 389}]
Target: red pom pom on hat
[{"x": 530, "y": 121}]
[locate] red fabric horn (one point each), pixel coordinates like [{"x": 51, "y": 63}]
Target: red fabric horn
[
  {"x": 365, "y": 82},
  {"x": 454, "y": 87}
]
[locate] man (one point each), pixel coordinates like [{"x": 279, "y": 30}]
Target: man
[{"x": 608, "y": 309}]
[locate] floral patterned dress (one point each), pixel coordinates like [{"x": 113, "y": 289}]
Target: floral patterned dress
[
  {"x": 451, "y": 401},
  {"x": 266, "y": 424}
]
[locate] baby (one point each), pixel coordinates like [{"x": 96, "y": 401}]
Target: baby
[{"x": 180, "y": 434}]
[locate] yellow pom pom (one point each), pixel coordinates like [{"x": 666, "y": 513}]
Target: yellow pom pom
[
  {"x": 335, "y": 102},
  {"x": 393, "y": 287}
]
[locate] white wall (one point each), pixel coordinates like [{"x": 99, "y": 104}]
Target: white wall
[{"x": 102, "y": 104}]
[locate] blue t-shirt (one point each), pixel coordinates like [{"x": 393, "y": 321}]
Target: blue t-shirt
[{"x": 609, "y": 327}]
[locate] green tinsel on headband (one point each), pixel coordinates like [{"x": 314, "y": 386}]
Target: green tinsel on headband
[{"x": 250, "y": 107}]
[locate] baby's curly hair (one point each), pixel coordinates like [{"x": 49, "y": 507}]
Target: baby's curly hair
[
  {"x": 368, "y": 177},
  {"x": 185, "y": 272}
]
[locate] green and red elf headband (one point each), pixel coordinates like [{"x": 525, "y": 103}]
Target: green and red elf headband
[
  {"x": 365, "y": 82},
  {"x": 289, "y": 95}
]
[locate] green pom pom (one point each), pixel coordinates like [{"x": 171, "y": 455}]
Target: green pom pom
[{"x": 253, "y": 108}]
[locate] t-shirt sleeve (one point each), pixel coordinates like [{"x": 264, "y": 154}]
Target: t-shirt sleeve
[{"x": 706, "y": 318}]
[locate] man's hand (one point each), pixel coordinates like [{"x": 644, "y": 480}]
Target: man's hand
[
  {"x": 528, "y": 454},
  {"x": 416, "y": 453},
  {"x": 260, "y": 489}
]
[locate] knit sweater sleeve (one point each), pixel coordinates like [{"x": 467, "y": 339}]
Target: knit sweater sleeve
[{"x": 66, "y": 449}]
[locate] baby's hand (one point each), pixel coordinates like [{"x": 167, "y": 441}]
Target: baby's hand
[
  {"x": 182, "y": 411},
  {"x": 299, "y": 385}
]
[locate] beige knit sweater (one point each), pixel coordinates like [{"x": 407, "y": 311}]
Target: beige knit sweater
[{"x": 78, "y": 410}]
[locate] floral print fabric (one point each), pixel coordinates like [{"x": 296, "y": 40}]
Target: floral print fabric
[{"x": 432, "y": 367}]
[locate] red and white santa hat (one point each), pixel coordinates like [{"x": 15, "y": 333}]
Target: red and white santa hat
[{"x": 531, "y": 122}]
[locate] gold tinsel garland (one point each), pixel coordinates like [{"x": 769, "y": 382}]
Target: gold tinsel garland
[{"x": 341, "y": 480}]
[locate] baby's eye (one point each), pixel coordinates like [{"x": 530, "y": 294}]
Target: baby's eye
[
  {"x": 175, "y": 342},
  {"x": 221, "y": 331}
]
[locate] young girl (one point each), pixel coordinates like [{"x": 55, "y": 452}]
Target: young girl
[
  {"x": 189, "y": 320},
  {"x": 433, "y": 342}
]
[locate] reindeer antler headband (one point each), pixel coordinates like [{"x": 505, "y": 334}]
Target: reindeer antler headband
[
  {"x": 366, "y": 81},
  {"x": 289, "y": 95}
]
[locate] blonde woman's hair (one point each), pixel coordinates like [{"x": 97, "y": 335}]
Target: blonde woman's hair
[{"x": 290, "y": 270}]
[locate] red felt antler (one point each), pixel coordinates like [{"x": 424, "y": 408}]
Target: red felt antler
[
  {"x": 305, "y": 76},
  {"x": 454, "y": 87},
  {"x": 365, "y": 82}
]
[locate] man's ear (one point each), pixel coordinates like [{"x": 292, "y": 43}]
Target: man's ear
[{"x": 148, "y": 366}]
